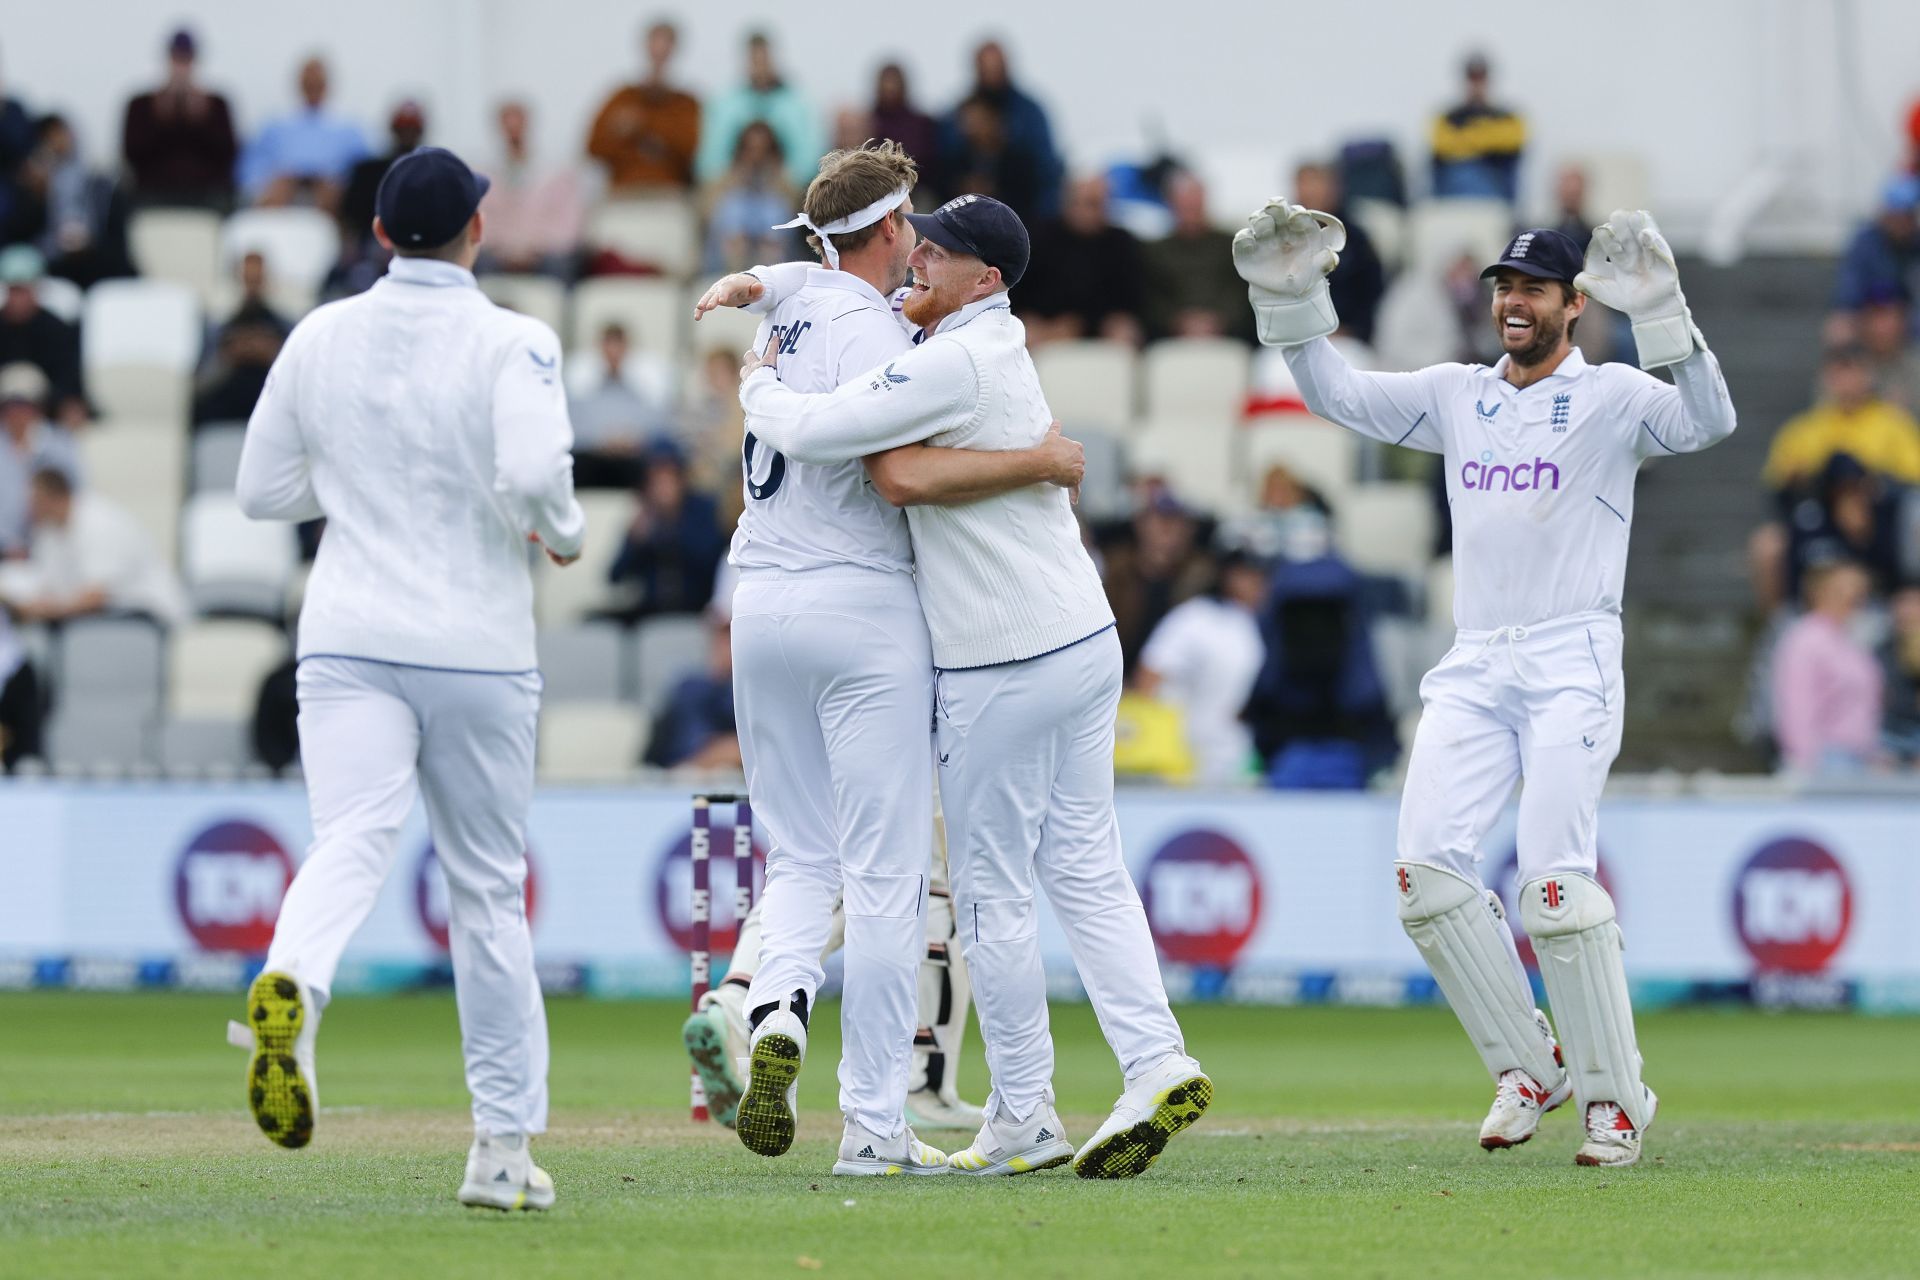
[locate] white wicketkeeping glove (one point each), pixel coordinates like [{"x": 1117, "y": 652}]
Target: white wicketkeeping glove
[
  {"x": 1284, "y": 254},
  {"x": 1630, "y": 268}
]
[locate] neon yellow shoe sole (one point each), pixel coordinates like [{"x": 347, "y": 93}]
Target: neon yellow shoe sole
[
  {"x": 1131, "y": 1152},
  {"x": 765, "y": 1118},
  {"x": 706, "y": 1043},
  {"x": 280, "y": 1097}
]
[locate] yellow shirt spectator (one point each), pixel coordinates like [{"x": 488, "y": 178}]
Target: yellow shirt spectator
[{"x": 1883, "y": 437}]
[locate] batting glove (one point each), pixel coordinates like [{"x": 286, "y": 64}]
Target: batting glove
[
  {"x": 1630, "y": 268},
  {"x": 1284, "y": 254}
]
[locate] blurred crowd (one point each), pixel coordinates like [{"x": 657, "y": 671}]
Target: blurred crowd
[{"x": 1836, "y": 570}]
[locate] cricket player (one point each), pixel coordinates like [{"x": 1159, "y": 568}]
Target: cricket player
[
  {"x": 833, "y": 688},
  {"x": 1540, "y": 452},
  {"x": 716, "y": 1033},
  {"x": 429, "y": 427},
  {"x": 1027, "y": 688}
]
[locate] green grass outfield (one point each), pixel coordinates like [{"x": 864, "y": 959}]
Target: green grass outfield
[{"x": 1341, "y": 1143}]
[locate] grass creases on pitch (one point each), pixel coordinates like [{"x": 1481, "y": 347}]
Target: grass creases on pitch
[{"x": 1341, "y": 1142}]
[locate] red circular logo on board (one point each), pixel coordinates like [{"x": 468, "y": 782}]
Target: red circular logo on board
[
  {"x": 673, "y": 889},
  {"x": 430, "y": 901},
  {"x": 1202, "y": 896},
  {"x": 1792, "y": 906},
  {"x": 1507, "y": 885},
  {"x": 228, "y": 886}
]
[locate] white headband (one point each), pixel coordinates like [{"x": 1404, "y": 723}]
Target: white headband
[{"x": 852, "y": 222}]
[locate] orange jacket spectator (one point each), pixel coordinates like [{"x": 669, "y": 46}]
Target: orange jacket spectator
[{"x": 646, "y": 133}]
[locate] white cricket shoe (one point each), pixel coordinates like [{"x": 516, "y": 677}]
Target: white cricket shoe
[
  {"x": 716, "y": 1039},
  {"x": 1612, "y": 1141},
  {"x": 283, "y": 1091},
  {"x": 865, "y": 1154},
  {"x": 1160, "y": 1104},
  {"x": 501, "y": 1174},
  {"x": 1003, "y": 1148},
  {"x": 765, "y": 1120},
  {"x": 927, "y": 1109},
  {"x": 1519, "y": 1101}
]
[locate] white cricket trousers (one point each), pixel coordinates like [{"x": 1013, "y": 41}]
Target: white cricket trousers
[
  {"x": 370, "y": 733},
  {"x": 1026, "y": 779},
  {"x": 833, "y": 695}
]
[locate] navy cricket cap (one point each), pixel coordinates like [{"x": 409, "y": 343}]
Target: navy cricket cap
[
  {"x": 983, "y": 227},
  {"x": 1542, "y": 252},
  {"x": 427, "y": 197}
]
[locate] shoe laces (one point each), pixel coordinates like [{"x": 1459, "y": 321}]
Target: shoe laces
[
  {"x": 1519, "y": 1089},
  {"x": 1604, "y": 1120}
]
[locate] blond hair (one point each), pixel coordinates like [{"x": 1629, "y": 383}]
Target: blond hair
[{"x": 851, "y": 180}]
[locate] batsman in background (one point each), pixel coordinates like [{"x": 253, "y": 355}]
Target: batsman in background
[
  {"x": 716, "y": 1033},
  {"x": 1540, "y": 451},
  {"x": 429, "y": 427}
]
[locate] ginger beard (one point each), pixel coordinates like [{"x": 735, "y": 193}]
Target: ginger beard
[
  {"x": 943, "y": 282},
  {"x": 1531, "y": 316}
]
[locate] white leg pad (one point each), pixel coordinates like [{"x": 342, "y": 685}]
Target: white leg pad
[
  {"x": 1462, "y": 934},
  {"x": 1571, "y": 921}
]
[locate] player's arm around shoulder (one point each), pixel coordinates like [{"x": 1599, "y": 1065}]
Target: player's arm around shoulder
[
  {"x": 902, "y": 399},
  {"x": 533, "y": 437},
  {"x": 275, "y": 479}
]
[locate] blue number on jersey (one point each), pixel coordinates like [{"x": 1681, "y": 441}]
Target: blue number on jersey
[{"x": 776, "y": 470}]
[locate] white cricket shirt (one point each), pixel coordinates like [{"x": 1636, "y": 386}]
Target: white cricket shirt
[
  {"x": 430, "y": 428},
  {"x": 1002, "y": 579},
  {"x": 803, "y": 514},
  {"x": 1539, "y": 480},
  {"x": 1208, "y": 653}
]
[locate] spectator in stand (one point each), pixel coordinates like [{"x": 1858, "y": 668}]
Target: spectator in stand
[
  {"x": 1152, "y": 565},
  {"x": 674, "y": 545},
  {"x": 23, "y": 703},
  {"x": 1883, "y": 255},
  {"x": 88, "y": 556},
  {"x": 535, "y": 217},
  {"x": 1191, "y": 288},
  {"x": 16, "y": 143},
  {"x": 715, "y": 427},
  {"x": 305, "y": 157},
  {"x": 77, "y": 216},
  {"x": 1203, "y": 658},
  {"x": 31, "y": 333},
  {"x": 852, "y": 128},
  {"x": 745, "y": 208},
  {"x": 1827, "y": 686},
  {"x": 406, "y": 129},
  {"x": 647, "y": 134},
  {"x": 696, "y": 728},
  {"x": 1570, "y": 216},
  {"x": 1848, "y": 419},
  {"x": 1289, "y": 511},
  {"x": 1900, "y": 666},
  {"x": 616, "y": 406},
  {"x": 28, "y": 444},
  {"x": 1476, "y": 144},
  {"x": 978, "y": 157},
  {"x": 765, "y": 96},
  {"x": 1022, "y": 121},
  {"x": 895, "y": 116},
  {"x": 1084, "y": 280},
  {"x": 1358, "y": 281},
  {"x": 242, "y": 352},
  {"x": 1886, "y": 334},
  {"x": 178, "y": 139},
  {"x": 1851, "y": 514}
]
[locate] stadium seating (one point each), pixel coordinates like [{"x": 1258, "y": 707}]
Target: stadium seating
[
  {"x": 139, "y": 341},
  {"x": 215, "y": 666},
  {"x": 728, "y": 328},
  {"x": 541, "y": 297},
  {"x": 108, "y": 694},
  {"x": 1088, "y": 383},
  {"x": 1195, "y": 458},
  {"x": 583, "y": 663},
  {"x": 566, "y": 596},
  {"x": 651, "y": 311},
  {"x": 60, "y": 297},
  {"x": 1439, "y": 585},
  {"x": 663, "y": 232},
  {"x": 1439, "y": 231},
  {"x": 1198, "y": 379},
  {"x": 665, "y": 650},
  {"x": 1386, "y": 528},
  {"x": 141, "y": 465},
  {"x": 216, "y": 456},
  {"x": 590, "y": 741},
  {"x": 1319, "y": 453},
  {"x": 1103, "y": 496},
  {"x": 299, "y": 245},
  {"x": 1386, "y": 225},
  {"x": 180, "y": 245},
  {"x": 231, "y": 564}
]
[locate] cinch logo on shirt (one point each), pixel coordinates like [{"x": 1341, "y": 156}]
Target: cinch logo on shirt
[{"x": 1486, "y": 475}]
